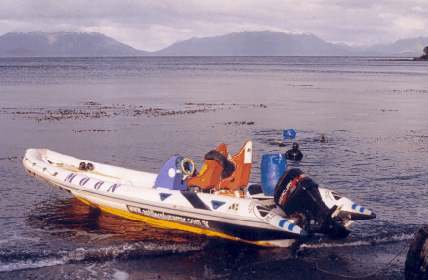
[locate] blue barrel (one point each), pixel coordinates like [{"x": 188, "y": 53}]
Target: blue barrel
[
  {"x": 272, "y": 168},
  {"x": 289, "y": 134}
]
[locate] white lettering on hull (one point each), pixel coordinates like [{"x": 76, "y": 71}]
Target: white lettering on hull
[{"x": 165, "y": 216}]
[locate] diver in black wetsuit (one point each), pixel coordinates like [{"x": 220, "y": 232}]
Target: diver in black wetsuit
[{"x": 294, "y": 153}]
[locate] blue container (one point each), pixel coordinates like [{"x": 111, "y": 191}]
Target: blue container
[
  {"x": 289, "y": 134},
  {"x": 272, "y": 168}
]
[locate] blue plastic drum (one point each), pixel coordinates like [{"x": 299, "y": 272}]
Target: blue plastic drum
[
  {"x": 289, "y": 134},
  {"x": 272, "y": 168}
]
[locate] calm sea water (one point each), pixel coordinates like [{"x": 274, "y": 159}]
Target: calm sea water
[{"x": 372, "y": 111}]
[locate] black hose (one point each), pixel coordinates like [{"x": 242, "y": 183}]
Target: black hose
[{"x": 228, "y": 166}]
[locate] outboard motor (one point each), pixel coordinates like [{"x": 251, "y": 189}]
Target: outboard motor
[{"x": 298, "y": 196}]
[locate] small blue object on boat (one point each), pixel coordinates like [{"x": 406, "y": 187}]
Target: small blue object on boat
[
  {"x": 171, "y": 175},
  {"x": 272, "y": 168},
  {"x": 289, "y": 133}
]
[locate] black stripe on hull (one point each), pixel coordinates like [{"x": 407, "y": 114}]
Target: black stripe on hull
[
  {"x": 251, "y": 233},
  {"x": 194, "y": 199},
  {"x": 240, "y": 231}
]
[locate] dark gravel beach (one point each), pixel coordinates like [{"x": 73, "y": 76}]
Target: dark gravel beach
[{"x": 137, "y": 112}]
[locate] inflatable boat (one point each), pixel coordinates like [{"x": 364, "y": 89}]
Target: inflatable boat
[{"x": 215, "y": 201}]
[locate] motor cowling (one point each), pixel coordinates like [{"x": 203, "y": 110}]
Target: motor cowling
[{"x": 298, "y": 196}]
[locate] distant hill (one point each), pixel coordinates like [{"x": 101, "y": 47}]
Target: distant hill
[
  {"x": 255, "y": 43},
  {"x": 62, "y": 44},
  {"x": 403, "y": 47},
  {"x": 260, "y": 43},
  {"x": 267, "y": 43}
]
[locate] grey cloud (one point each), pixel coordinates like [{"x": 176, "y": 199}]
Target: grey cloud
[{"x": 154, "y": 24}]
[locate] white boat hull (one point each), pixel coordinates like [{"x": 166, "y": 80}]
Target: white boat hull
[{"x": 131, "y": 194}]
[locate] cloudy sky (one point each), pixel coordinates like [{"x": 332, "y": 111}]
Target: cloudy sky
[{"x": 154, "y": 24}]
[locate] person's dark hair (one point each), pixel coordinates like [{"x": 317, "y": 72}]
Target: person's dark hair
[{"x": 295, "y": 145}]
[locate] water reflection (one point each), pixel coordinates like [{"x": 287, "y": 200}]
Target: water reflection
[{"x": 62, "y": 216}]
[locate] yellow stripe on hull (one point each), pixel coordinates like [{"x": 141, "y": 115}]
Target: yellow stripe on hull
[{"x": 170, "y": 224}]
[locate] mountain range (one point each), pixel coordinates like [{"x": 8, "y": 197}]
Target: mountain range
[
  {"x": 63, "y": 44},
  {"x": 254, "y": 43}
]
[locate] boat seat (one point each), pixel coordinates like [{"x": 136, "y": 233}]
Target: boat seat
[
  {"x": 241, "y": 176},
  {"x": 211, "y": 171}
]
